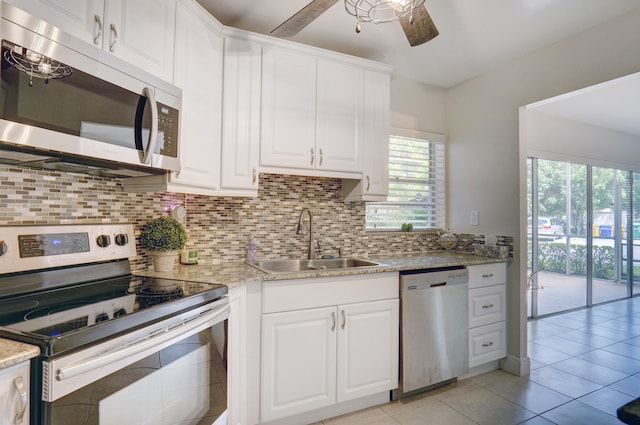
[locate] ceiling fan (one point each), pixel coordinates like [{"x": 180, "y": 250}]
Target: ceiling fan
[{"x": 412, "y": 14}]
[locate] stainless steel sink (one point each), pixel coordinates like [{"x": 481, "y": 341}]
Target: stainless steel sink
[{"x": 291, "y": 266}]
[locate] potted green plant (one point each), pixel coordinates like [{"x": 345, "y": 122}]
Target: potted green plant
[{"x": 163, "y": 237}]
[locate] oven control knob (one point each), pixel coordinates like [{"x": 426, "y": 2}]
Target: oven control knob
[
  {"x": 103, "y": 241},
  {"x": 122, "y": 239},
  {"x": 3, "y": 248}
]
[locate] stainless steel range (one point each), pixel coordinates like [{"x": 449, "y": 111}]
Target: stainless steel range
[{"x": 116, "y": 348}]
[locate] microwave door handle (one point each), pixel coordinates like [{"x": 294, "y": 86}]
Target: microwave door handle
[{"x": 146, "y": 153}]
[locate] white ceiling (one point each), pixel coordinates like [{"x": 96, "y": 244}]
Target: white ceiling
[
  {"x": 614, "y": 105},
  {"x": 475, "y": 35}
]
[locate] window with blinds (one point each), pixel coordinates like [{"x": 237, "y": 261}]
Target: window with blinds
[{"x": 416, "y": 187}]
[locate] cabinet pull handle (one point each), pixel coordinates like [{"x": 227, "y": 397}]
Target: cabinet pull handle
[
  {"x": 313, "y": 156},
  {"x": 19, "y": 384},
  {"x": 487, "y": 306},
  {"x": 487, "y": 275},
  {"x": 321, "y": 157},
  {"x": 333, "y": 319},
  {"x": 254, "y": 178},
  {"x": 487, "y": 344},
  {"x": 368, "y": 182},
  {"x": 98, "y": 33},
  {"x": 114, "y": 38},
  {"x": 344, "y": 320}
]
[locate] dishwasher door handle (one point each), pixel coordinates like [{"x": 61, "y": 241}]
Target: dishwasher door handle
[{"x": 435, "y": 285}]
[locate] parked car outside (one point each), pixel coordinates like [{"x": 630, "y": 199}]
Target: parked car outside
[{"x": 548, "y": 226}]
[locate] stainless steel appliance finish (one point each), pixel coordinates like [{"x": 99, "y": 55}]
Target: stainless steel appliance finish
[
  {"x": 116, "y": 348},
  {"x": 434, "y": 328},
  {"x": 65, "y": 105}
]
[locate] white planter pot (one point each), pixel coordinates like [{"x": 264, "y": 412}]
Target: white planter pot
[{"x": 164, "y": 261}]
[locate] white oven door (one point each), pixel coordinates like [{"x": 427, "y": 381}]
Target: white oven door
[{"x": 172, "y": 373}]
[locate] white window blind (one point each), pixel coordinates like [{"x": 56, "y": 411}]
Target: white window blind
[{"x": 416, "y": 187}]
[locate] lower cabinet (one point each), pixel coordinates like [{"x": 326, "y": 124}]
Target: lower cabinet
[
  {"x": 318, "y": 357},
  {"x": 14, "y": 394},
  {"x": 487, "y": 313}
]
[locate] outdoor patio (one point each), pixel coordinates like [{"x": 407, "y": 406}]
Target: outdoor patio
[{"x": 561, "y": 292}]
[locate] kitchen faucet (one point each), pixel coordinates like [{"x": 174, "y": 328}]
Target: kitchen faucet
[{"x": 311, "y": 253}]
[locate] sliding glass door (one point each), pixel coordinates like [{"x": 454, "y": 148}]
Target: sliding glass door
[{"x": 580, "y": 219}]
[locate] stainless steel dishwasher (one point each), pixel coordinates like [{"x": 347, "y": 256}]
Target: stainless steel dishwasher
[{"x": 434, "y": 333}]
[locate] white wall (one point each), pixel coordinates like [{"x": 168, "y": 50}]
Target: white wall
[
  {"x": 417, "y": 106},
  {"x": 486, "y": 163},
  {"x": 561, "y": 139}
]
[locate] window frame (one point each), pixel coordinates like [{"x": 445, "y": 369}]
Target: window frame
[{"x": 442, "y": 192}]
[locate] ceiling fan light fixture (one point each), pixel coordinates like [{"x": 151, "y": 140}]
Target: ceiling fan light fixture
[{"x": 381, "y": 11}]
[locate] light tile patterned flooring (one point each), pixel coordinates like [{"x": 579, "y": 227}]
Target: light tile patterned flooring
[{"x": 585, "y": 364}]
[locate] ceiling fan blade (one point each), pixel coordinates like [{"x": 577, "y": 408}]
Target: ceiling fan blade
[
  {"x": 304, "y": 17},
  {"x": 421, "y": 30}
]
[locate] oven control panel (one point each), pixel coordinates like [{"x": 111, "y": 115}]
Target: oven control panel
[{"x": 24, "y": 248}]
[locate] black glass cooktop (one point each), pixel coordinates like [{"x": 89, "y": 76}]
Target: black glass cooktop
[{"x": 68, "y": 317}]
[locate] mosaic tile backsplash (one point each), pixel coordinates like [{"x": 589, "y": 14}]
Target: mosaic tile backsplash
[{"x": 218, "y": 227}]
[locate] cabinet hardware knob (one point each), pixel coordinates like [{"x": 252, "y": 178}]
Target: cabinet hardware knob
[
  {"x": 368, "y": 183},
  {"x": 313, "y": 156},
  {"x": 254, "y": 178},
  {"x": 344, "y": 320},
  {"x": 487, "y": 275},
  {"x": 487, "y": 306},
  {"x": 98, "y": 33},
  {"x": 114, "y": 39},
  {"x": 487, "y": 344},
  {"x": 333, "y": 320},
  {"x": 21, "y": 390},
  {"x": 321, "y": 157}
]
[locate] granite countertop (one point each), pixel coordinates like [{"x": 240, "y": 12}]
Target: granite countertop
[
  {"x": 239, "y": 273},
  {"x": 13, "y": 352}
]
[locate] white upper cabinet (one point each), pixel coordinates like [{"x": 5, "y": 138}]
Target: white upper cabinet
[
  {"x": 198, "y": 72},
  {"x": 288, "y": 131},
  {"x": 374, "y": 185},
  {"x": 140, "y": 32},
  {"x": 312, "y": 112},
  {"x": 339, "y": 122},
  {"x": 241, "y": 117}
]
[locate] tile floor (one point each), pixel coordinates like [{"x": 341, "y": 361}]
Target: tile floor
[{"x": 584, "y": 365}]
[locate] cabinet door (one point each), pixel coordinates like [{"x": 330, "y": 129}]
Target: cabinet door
[
  {"x": 339, "y": 119},
  {"x": 288, "y": 111},
  {"x": 298, "y": 362},
  {"x": 79, "y": 18},
  {"x": 377, "y": 104},
  {"x": 198, "y": 41},
  {"x": 141, "y": 32},
  {"x": 14, "y": 393},
  {"x": 367, "y": 348},
  {"x": 241, "y": 115}
]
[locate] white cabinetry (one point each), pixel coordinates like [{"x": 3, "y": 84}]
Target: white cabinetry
[
  {"x": 140, "y": 32},
  {"x": 327, "y": 341},
  {"x": 241, "y": 116},
  {"x": 312, "y": 113},
  {"x": 487, "y": 313},
  {"x": 14, "y": 394},
  {"x": 198, "y": 72},
  {"x": 374, "y": 185}
]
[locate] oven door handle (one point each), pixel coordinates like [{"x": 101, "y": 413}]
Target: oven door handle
[{"x": 152, "y": 341}]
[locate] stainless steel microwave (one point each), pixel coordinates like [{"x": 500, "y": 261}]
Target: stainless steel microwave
[{"x": 66, "y": 105}]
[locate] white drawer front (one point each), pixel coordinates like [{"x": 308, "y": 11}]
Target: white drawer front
[
  {"x": 487, "y": 343},
  {"x": 487, "y": 275},
  {"x": 487, "y": 305}
]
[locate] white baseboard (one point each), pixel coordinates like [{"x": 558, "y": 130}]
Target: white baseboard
[{"x": 520, "y": 366}]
